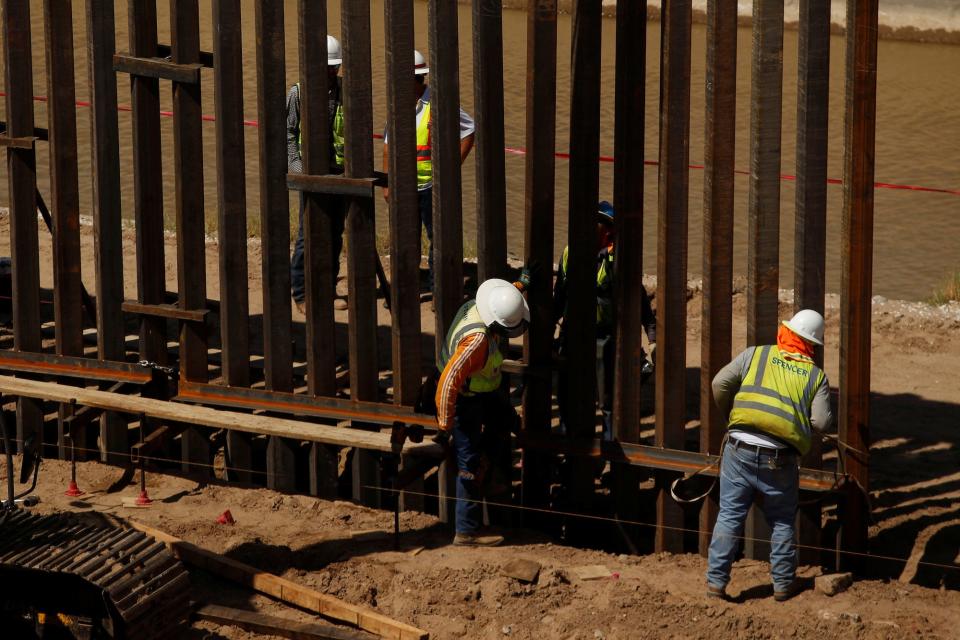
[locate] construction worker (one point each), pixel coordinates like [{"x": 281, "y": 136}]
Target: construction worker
[
  {"x": 424, "y": 144},
  {"x": 606, "y": 320},
  {"x": 775, "y": 397},
  {"x": 470, "y": 405},
  {"x": 335, "y": 208}
]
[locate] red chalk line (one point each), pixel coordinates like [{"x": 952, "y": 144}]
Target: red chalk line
[{"x": 519, "y": 151}]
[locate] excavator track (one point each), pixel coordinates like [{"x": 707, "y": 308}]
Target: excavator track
[{"x": 119, "y": 582}]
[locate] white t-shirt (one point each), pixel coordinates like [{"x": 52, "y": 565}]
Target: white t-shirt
[{"x": 756, "y": 439}]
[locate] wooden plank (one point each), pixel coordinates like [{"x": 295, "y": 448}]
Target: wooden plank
[
  {"x": 763, "y": 226},
  {"x": 628, "y": 169},
  {"x": 856, "y": 294},
  {"x": 274, "y": 625},
  {"x": 167, "y": 311},
  {"x": 810, "y": 225},
  {"x": 157, "y": 68},
  {"x": 361, "y": 232},
  {"x": 206, "y": 417},
  {"x": 580, "y": 321},
  {"x": 488, "y": 101},
  {"x": 538, "y": 234},
  {"x": 320, "y": 284},
  {"x": 232, "y": 218},
  {"x": 22, "y": 180},
  {"x": 717, "y": 309},
  {"x": 275, "y": 223},
  {"x": 763, "y": 248},
  {"x": 672, "y": 257},
  {"x": 147, "y": 182},
  {"x": 444, "y": 76},
  {"x": 39, "y": 133},
  {"x": 282, "y": 589},
  {"x": 105, "y": 151},
  {"x": 65, "y": 191},
  {"x": 332, "y": 184},
  {"x": 191, "y": 232}
]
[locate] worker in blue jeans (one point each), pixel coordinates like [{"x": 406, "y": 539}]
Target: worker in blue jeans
[{"x": 775, "y": 397}]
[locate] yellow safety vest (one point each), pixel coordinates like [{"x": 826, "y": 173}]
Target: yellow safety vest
[
  {"x": 775, "y": 397},
  {"x": 337, "y": 134},
  {"x": 424, "y": 163},
  {"x": 465, "y": 323},
  {"x": 604, "y": 286}
]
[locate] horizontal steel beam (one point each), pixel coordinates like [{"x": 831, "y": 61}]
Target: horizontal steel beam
[
  {"x": 169, "y": 311},
  {"x": 333, "y": 184},
  {"x": 73, "y": 367},
  {"x": 157, "y": 68},
  {"x": 664, "y": 459},
  {"x": 300, "y": 404}
]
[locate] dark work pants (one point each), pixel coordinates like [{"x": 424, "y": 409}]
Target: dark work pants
[
  {"x": 481, "y": 440},
  {"x": 336, "y": 209}
]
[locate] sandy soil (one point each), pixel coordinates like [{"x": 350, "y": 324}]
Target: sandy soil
[{"x": 914, "y": 487}]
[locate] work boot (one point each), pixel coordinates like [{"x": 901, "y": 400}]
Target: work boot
[
  {"x": 792, "y": 589},
  {"x": 340, "y": 304},
  {"x": 716, "y": 592},
  {"x": 476, "y": 540}
]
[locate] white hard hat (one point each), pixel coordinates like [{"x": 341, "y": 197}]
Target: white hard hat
[
  {"x": 499, "y": 302},
  {"x": 808, "y": 324},
  {"x": 334, "y": 53},
  {"x": 420, "y": 67}
]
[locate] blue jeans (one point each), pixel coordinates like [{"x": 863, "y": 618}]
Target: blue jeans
[
  {"x": 481, "y": 441},
  {"x": 425, "y": 205},
  {"x": 336, "y": 209},
  {"x": 744, "y": 475}
]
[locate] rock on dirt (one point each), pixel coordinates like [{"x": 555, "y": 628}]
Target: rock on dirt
[
  {"x": 522, "y": 570},
  {"x": 833, "y": 583}
]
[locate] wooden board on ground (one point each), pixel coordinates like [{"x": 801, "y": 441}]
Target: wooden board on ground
[
  {"x": 591, "y": 572},
  {"x": 275, "y": 626},
  {"x": 522, "y": 570},
  {"x": 283, "y": 589},
  {"x": 207, "y": 417}
]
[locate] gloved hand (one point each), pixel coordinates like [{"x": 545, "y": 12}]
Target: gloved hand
[
  {"x": 442, "y": 438},
  {"x": 529, "y": 273}
]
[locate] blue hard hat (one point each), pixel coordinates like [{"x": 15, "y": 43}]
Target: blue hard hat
[{"x": 605, "y": 210}]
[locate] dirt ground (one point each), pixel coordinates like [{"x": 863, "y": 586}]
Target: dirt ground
[{"x": 343, "y": 549}]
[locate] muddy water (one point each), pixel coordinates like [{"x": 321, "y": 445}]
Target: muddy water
[{"x": 918, "y": 139}]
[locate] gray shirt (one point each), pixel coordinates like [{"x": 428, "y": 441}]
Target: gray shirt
[{"x": 727, "y": 383}]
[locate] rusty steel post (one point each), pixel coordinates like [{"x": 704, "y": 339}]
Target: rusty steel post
[
  {"x": 22, "y": 177},
  {"x": 275, "y": 225},
  {"x": 580, "y": 321},
  {"x": 856, "y": 295},
  {"x": 491, "y": 179},
  {"x": 65, "y": 195},
  {"x": 191, "y": 232},
  {"x": 810, "y": 237},
  {"x": 628, "y": 266},
  {"x": 319, "y": 285},
  {"x": 404, "y": 219},
  {"x": 232, "y": 220},
  {"x": 763, "y": 229},
  {"x": 538, "y": 235},
  {"x": 672, "y": 257},
  {"x": 105, "y": 166},
  {"x": 147, "y": 181},
  {"x": 717, "y": 304},
  {"x": 445, "y": 151},
  {"x": 361, "y": 233}
]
